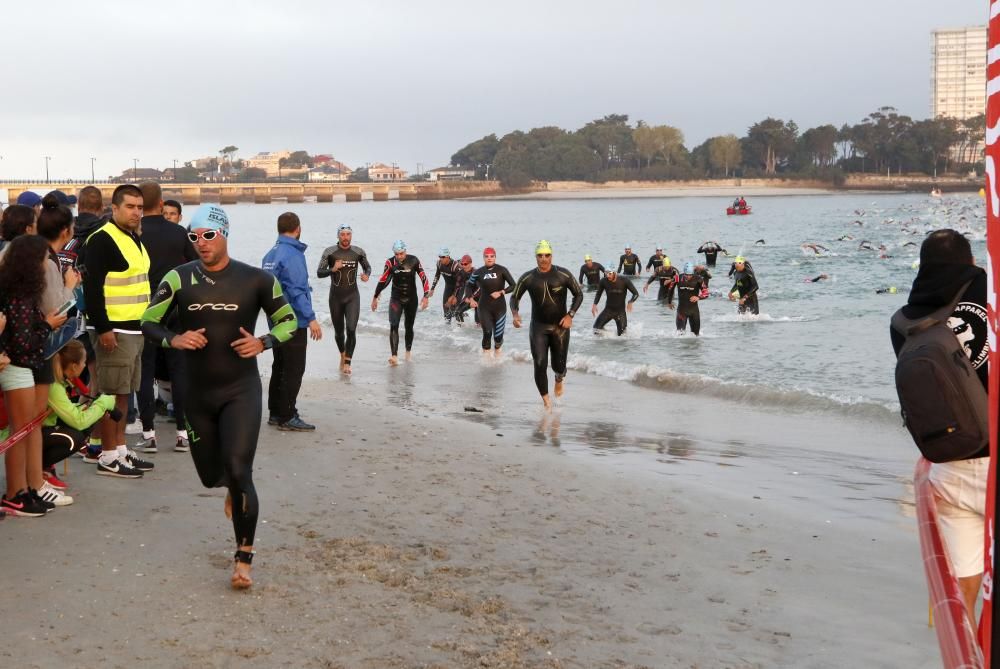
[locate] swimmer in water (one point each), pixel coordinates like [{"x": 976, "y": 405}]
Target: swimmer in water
[
  {"x": 865, "y": 245},
  {"x": 881, "y": 291},
  {"x": 845, "y": 238},
  {"x": 760, "y": 242},
  {"x": 817, "y": 279},
  {"x": 817, "y": 249}
]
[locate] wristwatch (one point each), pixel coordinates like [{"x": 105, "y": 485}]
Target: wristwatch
[{"x": 267, "y": 341}]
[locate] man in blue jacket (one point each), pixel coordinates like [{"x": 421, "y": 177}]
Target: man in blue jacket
[{"x": 287, "y": 262}]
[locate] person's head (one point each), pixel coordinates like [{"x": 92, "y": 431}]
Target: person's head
[
  {"x": 611, "y": 272},
  {"x": 289, "y": 225},
  {"x": 126, "y": 207},
  {"x": 55, "y": 223},
  {"x": 466, "y": 262},
  {"x": 399, "y": 249},
  {"x": 588, "y": 260},
  {"x": 659, "y": 251},
  {"x": 689, "y": 267},
  {"x": 91, "y": 201},
  {"x": 22, "y": 270},
  {"x": 489, "y": 256},
  {"x": 543, "y": 255},
  {"x": 61, "y": 197},
  {"x": 344, "y": 235},
  {"x": 152, "y": 198},
  {"x": 209, "y": 232},
  {"x": 946, "y": 246},
  {"x": 666, "y": 262},
  {"x": 18, "y": 219},
  {"x": 172, "y": 211},
  {"x": 628, "y": 250},
  {"x": 444, "y": 255},
  {"x": 70, "y": 361},
  {"x": 740, "y": 263},
  {"x": 31, "y": 199}
]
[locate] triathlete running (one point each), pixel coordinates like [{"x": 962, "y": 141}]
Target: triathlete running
[
  {"x": 614, "y": 306},
  {"x": 547, "y": 285},
  {"x": 592, "y": 271},
  {"x": 456, "y": 301},
  {"x": 656, "y": 260},
  {"x": 340, "y": 263},
  {"x": 402, "y": 271},
  {"x": 485, "y": 292},
  {"x": 690, "y": 287},
  {"x": 745, "y": 287},
  {"x": 666, "y": 275},
  {"x": 711, "y": 251},
  {"x": 217, "y": 301},
  {"x": 448, "y": 268},
  {"x": 629, "y": 263}
]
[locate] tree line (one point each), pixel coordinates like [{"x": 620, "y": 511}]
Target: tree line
[{"x": 611, "y": 148}]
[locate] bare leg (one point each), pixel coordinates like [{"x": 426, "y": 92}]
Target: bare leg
[
  {"x": 20, "y": 405},
  {"x": 547, "y": 402},
  {"x": 969, "y": 585}
]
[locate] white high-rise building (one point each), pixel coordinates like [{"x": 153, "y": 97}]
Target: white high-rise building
[{"x": 958, "y": 72}]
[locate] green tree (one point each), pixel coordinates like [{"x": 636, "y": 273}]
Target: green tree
[
  {"x": 255, "y": 174},
  {"x": 611, "y": 138},
  {"x": 769, "y": 143},
  {"x": 299, "y": 159},
  {"x": 724, "y": 153},
  {"x": 478, "y": 154},
  {"x": 360, "y": 175}
]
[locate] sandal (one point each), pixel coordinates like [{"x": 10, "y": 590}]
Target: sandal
[{"x": 242, "y": 581}]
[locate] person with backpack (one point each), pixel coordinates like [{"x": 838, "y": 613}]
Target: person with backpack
[{"x": 944, "y": 404}]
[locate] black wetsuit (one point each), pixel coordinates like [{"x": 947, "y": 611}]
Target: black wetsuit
[
  {"x": 403, "y": 299},
  {"x": 629, "y": 264},
  {"x": 548, "y": 306},
  {"x": 492, "y": 310},
  {"x": 711, "y": 251},
  {"x": 745, "y": 284},
  {"x": 593, "y": 274},
  {"x": 224, "y": 393},
  {"x": 449, "y": 271},
  {"x": 345, "y": 300},
  {"x": 655, "y": 262},
  {"x": 461, "y": 284},
  {"x": 666, "y": 276},
  {"x": 688, "y": 286},
  {"x": 614, "y": 306}
]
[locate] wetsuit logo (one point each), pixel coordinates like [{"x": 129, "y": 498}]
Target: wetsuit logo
[
  {"x": 968, "y": 322},
  {"x": 213, "y": 307}
]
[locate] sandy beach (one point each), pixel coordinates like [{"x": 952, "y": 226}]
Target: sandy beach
[{"x": 402, "y": 535}]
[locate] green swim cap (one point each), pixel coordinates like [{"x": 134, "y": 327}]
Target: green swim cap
[
  {"x": 543, "y": 247},
  {"x": 739, "y": 259}
]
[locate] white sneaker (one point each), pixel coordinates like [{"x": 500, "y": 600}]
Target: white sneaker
[
  {"x": 133, "y": 428},
  {"x": 50, "y": 493}
]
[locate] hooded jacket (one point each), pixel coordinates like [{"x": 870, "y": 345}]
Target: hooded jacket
[{"x": 287, "y": 262}]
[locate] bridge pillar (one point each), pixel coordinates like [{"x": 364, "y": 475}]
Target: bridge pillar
[
  {"x": 262, "y": 195},
  {"x": 380, "y": 194},
  {"x": 228, "y": 195},
  {"x": 296, "y": 194},
  {"x": 408, "y": 193},
  {"x": 324, "y": 193},
  {"x": 189, "y": 194},
  {"x": 353, "y": 195}
]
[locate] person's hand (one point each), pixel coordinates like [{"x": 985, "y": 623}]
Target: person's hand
[
  {"x": 337, "y": 264},
  {"x": 71, "y": 279},
  {"x": 593, "y": 310},
  {"x": 191, "y": 340},
  {"x": 55, "y": 319},
  {"x": 364, "y": 277},
  {"x": 670, "y": 306},
  {"x": 732, "y": 297},
  {"x": 424, "y": 302},
  {"x": 694, "y": 298},
  {"x": 517, "y": 320},
  {"x": 645, "y": 289},
  {"x": 452, "y": 301},
  {"x": 4, "y": 361},
  {"x": 496, "y": 294},
  {"x": 567, "y": 322},
  {"x": 108, "y": 340},
  {"x": 374, "y": 303},
  {"x": 628, "y": 307},
  {"x": 315, "y": 331},
  {"x": 430, "y": 293},
  {"x": 247, "y": 346},
  {"x": 472, "y": 303},
  {"x": 3, "y": 321},
  {"x": 743, "y": 301}
]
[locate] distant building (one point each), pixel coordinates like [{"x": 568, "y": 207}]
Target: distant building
[
  {"x": 383, "y": 172},
  {"x": 141, "y": 174},
  {"x": 958, "y": 72},
  {"x": 269, "y": 162},
  {"x": 451, "y": 174},
  {"x": 332, "y": 170}
]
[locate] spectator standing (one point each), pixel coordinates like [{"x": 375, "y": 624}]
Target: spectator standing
[
  {"x": 287, "y": 262},
  {"x": 168, "y": 247},
  {"x": 172, "y": 211}
]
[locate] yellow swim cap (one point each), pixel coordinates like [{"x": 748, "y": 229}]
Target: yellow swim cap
[
  {"x": 892, "y": 290},
  {"x": 740, "y": 259},
  {"x": 587, "y": 257},
  {"x": 542, "y": 247},
  {"x": 666, "y": 261}
]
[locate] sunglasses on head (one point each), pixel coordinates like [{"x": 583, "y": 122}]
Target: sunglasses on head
[{"x": 208, "y": 236}]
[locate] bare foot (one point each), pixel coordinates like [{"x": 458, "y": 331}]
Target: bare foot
[
  {"x": 241, "y": 576},
  {"x": 229, "y": 506},
  {"x": 409, "y": 356},
  {"x": 498, "y": 353},
  {"x": 547, "y": 402},
  {"x": 393, "y": 361},
  {"x": 346, "y": 368},
  {"x": 559, "y": 388}
]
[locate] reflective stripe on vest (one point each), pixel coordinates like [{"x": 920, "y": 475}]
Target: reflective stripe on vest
[{"x": 126, "y": 294}]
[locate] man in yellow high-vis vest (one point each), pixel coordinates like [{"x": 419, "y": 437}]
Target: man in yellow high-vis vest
[{"x": 116, "y": 291}]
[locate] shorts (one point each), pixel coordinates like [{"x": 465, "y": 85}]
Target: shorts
[
  {"x": 119, "y": 372},
  {"x": 960, "y": 489},
  {"x": 44, "y": 375},
  {"x": 16, "y": 378}
]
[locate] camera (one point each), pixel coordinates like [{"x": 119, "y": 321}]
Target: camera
[{"x": 115, "y": 414}]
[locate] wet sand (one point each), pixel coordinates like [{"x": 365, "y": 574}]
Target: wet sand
[{"x": 408, "y": 532}]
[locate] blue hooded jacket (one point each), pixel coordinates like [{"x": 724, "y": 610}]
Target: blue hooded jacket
[{"x": 287, "y": 262}]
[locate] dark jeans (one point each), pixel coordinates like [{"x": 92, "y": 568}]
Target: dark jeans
[
  {"x": 286, "y": 376},
  {"x": 175, "y": 369}
]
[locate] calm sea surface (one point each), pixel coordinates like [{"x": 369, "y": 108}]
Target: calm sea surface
[{"x": 815, "y": 346}]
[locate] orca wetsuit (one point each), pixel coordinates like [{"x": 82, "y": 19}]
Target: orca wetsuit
[
  {"x": 345, "y": 300},
  {"x": 629, "y": 264},
  {"x": 666, "y": 276},
  {"x": 450, "y": 273},
  {"x": 224, "y": 407},
  {"x": 688, "y": 286},
  {"x": 745, "y": 285},
  {"x": 482, "y": 284},
  {"x": 548, "y": 292},
  {"x": 592, "y": 273},
  {"x": 614, "y": 306},
  {"x": 403, "y": 298}
]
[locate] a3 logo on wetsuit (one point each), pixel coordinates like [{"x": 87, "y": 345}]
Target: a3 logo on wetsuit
[
  {"x": 968, "y": 322},
  {"x": 213, "y": 307}
]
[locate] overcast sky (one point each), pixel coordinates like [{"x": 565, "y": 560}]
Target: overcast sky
[{"x": 415, "y": 81}]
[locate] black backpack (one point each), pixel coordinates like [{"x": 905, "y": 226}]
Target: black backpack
[{"x": 941, "y": 398}]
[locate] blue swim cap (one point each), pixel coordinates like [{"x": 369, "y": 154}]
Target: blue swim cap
[
  {"x": 398, "y": 245},
  {"x": 443, "y": 251},
  {"x": 689, "y": 267},
  {"x": 212, "y": 217}
]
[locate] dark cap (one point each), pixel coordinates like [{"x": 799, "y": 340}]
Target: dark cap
[
  {"x": 29, "y": 198},
  {"x": 64, "y": 199}
]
